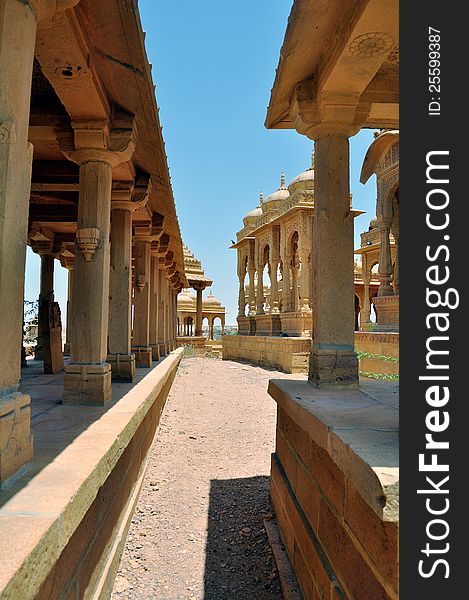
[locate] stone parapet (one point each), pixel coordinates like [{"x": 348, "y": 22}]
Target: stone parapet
[
  {"x": 378, "y": 352},
  {"x": 287, "y": 354},
  {"x": 335, "y": 485},
  {"x": 75, "y": 511}
]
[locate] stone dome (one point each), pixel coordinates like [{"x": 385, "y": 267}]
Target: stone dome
[
  {"x": 373, "y": 223},
  {"x": 211, "y": 300},
  {"x": 186, "y": 297},
  {"x": 280, "y": 194},
  {"x": 303, "y": 181},
  {"x": 252, "y": 215}
]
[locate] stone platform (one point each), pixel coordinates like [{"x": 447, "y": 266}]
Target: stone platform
[
  {"x": 380, "y": 351},
  {"x": 63, "y": 523},
  {"x": 335, "y": 487},
  {"x": 289, "y": 354}
]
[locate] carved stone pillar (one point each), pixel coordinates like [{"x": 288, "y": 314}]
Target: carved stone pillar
[
  {"x": 96, "y": 147},
  {"x": 286, "y": 284},
  {"x": 385, "y": 262},
  {"x": 260, "y": 286},
  {"x": 333, "y": 361},
  {"x": 70, "y": 269},
  {"x": 161, "y": 310},
  {"x": 366, "y": 309},
  {"x": 304, "y": 280},
  {"x": 18, "y": 23},
  {"x": 46, "y": 296},
  {"x": 198, "y": 313},
  {"x": 154, "y": 306},
  {"x": 141, "y": 334},
  {"x": 125, "y": 200}
]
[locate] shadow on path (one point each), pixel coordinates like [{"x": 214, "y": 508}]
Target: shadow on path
[{"x": 239, "y": 564}]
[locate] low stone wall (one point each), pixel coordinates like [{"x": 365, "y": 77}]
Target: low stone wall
[
  {"x": 289, "y": 354},
  {"x": 337, "y": 512},
  {"x": 65, "y": 531},
  {"x": 378, "y": 350}
]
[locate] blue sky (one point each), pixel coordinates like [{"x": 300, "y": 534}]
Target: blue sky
[{"x": 213, "y": 66}]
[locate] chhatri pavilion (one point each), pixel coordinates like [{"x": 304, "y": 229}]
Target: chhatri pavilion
[{"x": 193, "y": 309}]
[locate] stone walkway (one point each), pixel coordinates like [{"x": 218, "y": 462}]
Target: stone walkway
[{"x": 197, "y": 532}]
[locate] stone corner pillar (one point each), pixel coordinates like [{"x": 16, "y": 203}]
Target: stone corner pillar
[
  {"x": 333, "y": 361},
  {"x": 88, "y": 376},
  {"x": 142, "y": 292}
]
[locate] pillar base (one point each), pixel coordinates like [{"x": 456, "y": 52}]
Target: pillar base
[
  {"x": 162, "y": 347},
  {"x": 155, "y": 349},
  {"x": 333, "y": 369},
  {"x": 16, "y": 441},
  {"x": 87, "y": 384},
  {"x": 143, "y": 356},
  {"x": 122, "y": 367}
]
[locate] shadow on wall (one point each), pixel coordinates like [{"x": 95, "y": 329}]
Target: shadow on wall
[{"x": 239, "y": 564}]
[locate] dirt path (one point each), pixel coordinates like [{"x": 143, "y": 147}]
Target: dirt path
[{"x": 198, "y": 529}]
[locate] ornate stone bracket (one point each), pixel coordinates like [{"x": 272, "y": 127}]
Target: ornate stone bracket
[{"x": 87, "y": 241}]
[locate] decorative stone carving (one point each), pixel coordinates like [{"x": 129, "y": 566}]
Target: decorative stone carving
[{"x": 87, "y": 241}]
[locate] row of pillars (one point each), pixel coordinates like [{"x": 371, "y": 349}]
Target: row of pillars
[
  {"x": 296, "y": 282},
  {"x": 186, "y": 327},
  {"x": 96, "y": 145}
]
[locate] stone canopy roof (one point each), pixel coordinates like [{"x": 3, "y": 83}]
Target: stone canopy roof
[{"x": 194, "y": 272}]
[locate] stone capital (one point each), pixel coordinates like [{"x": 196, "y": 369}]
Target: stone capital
[
  {"x": 318, "y": 115},
  {"x": 96, "y": 140}
]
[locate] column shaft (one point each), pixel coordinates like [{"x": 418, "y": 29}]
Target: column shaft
[
  {"x": 385, "y": 263},
  {"x": 120, "y": 297},
  {"x": 46, "y": 295},
  {"x": 69, "y": 311},
  {"x": 88, "y": 376},
  {"x": 154, "y": 308},
  {"x": 333, "y": 360},
  {"x": 198, "y": 314},
  {"x": 141, "y": 337},
  {"x": 161, "y": 312},
  {"x": 286, "y": 283},
  {"x": 17, "y": 40}
]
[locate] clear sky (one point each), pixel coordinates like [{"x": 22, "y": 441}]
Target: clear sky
[{"x": 214, "y": 65}]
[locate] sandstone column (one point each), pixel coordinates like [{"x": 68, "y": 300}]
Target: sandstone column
[
  {"x": 141, "y": 337},
  {"x": 46, "y": 296},
  {"x": 286, "y": 283},
  {"x": 67, "y": 260},
  {"x": 260, "y": 286},
  {"x": 18, "y": 22},
  {"x": 210, "y": 335},
  {"x": 120, "y": 356},
  {"x": 154, "y": 306},
  {"x": 198, "y": 314},
  {"x": 304, "y": 280},
  {"x": 366, "y": 309},
  {"x": 88, "y": 376},
  {"x": 161, "y": 334},
  {"x": 241, "y": 295},
  {"x": 333, "y": 360},
  {"x": 385, "y": 262}
]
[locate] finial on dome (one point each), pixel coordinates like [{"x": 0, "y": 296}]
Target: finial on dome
[
  {"x": 282, "y": 180},
  {"x": 261, "y": 198},
  {"x": 312, "y": 159}
]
